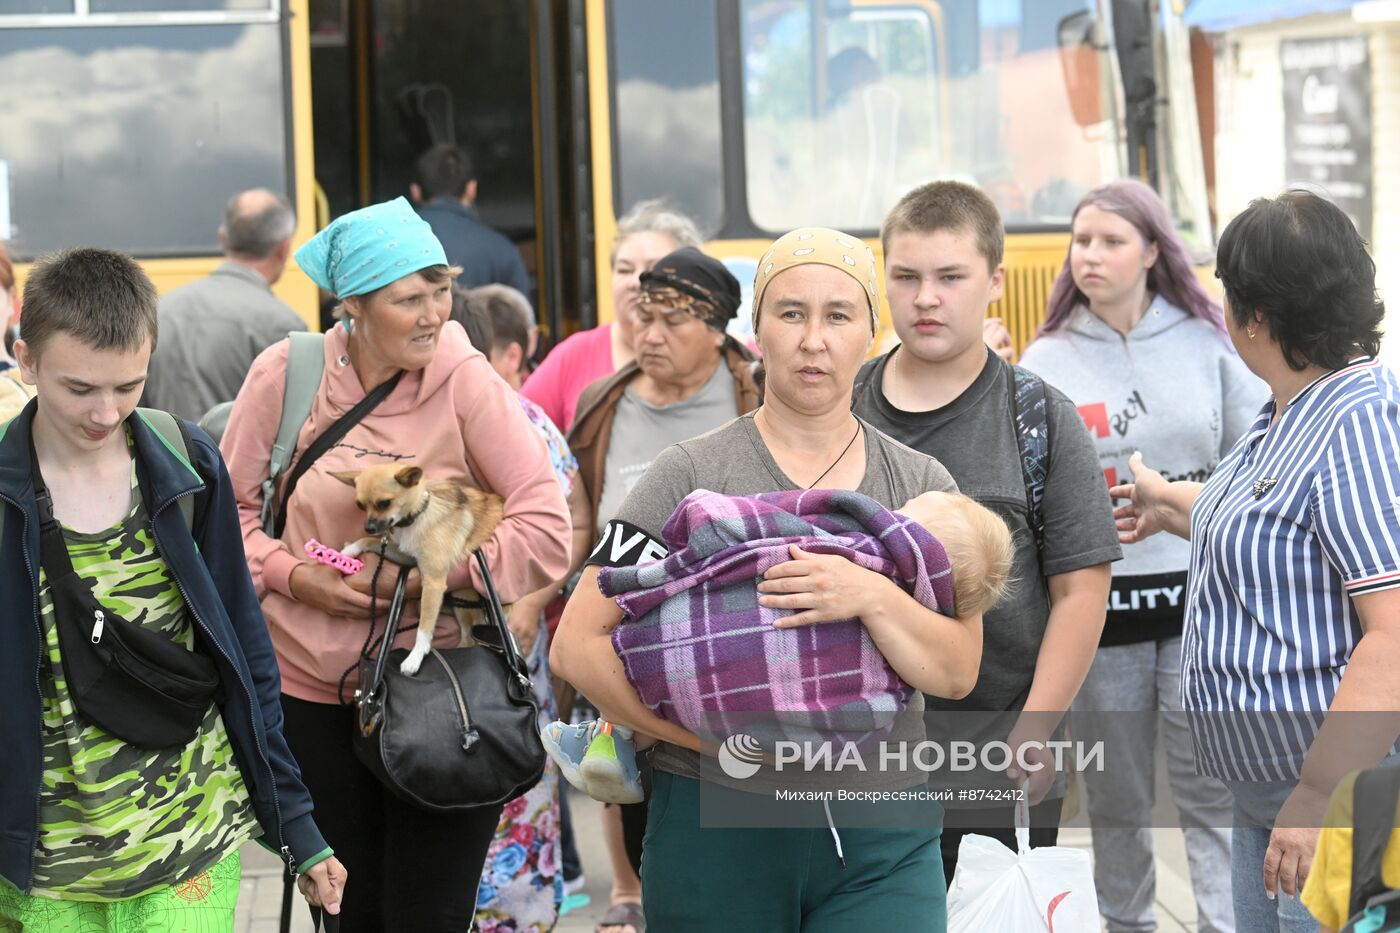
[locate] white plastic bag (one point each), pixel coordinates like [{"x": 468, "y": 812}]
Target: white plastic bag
[{"x": 1049, "y": 890}]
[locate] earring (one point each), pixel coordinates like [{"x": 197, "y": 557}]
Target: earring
[{"x": 1251, "y": 333}]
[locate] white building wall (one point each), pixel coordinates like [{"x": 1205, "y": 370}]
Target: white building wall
[
  {"x": 1249, "y": 132},
  {"x": 1385, "y": 157}
]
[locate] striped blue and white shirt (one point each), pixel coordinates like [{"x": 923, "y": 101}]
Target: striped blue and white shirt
[{"x": 1299, "y": 518}]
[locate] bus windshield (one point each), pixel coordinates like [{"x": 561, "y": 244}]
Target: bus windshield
[{"x": 848, "y": 105}]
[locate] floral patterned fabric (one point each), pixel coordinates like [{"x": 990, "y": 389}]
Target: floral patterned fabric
[
  {"x": 563, "y": 461},
  {"x": 522, "y": 884}
]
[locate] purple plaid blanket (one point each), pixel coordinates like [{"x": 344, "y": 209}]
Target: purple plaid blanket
[{"x": 701, "y": 652}]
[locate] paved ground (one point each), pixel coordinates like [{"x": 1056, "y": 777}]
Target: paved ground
[{"x": 262, "y": 887}]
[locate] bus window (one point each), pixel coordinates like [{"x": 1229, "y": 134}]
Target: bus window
[
  {"x": 840, "y": 116},
  {"x": 849, "y": 106},
  {"x": 1026, "y": 149},
  {"x": 665, "y": 109},
  {"x": 104, "y": 121}
]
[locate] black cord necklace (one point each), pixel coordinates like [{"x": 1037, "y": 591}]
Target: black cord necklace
[{"x": 843, "y": 453}]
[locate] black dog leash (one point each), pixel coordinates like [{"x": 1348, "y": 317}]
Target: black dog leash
[
  {"x": 318, "y": 914},
  {"x": 332, "y": 921}
]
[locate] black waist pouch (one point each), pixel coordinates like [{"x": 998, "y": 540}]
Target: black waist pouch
[{"x": 135, "y": 683}]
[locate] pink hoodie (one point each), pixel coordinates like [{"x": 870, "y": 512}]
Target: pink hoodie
[{"x": 457, "y": 420}]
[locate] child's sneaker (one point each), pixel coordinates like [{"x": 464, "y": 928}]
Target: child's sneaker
[
  {"x": 609, "y": 767},
  {"x": 566, "y": 745}
]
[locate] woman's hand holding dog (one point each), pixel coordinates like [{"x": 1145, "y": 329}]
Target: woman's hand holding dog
[
  {"x": 363, "y": 582},
  {"x": 326, "y": 588},
  {"x": 331, "y": 591}
]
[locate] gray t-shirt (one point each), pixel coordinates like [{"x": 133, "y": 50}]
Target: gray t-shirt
[
  {"x": 733, "y": 460},
  {"x": 974, "y": 438},
  {"x": 641, "y": 430}
]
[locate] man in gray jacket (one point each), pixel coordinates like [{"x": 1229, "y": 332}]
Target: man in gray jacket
[{"x": 210, "y": 331}]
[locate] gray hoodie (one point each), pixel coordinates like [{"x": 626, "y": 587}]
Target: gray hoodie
[{"x": 1174, "y": 389}]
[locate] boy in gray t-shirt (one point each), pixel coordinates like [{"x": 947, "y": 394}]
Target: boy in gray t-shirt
[{"x": 945, "y": 394}]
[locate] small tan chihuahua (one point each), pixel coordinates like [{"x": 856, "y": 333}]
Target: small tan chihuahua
[{"x": 439, "y": 523}]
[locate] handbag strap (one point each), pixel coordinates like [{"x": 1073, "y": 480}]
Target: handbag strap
[
  {"x": 497, "y": 615},
  {"x": 491, "y": 606},
  {"x": 391, "y": 627},
  {"x": 328, "y": 439}
]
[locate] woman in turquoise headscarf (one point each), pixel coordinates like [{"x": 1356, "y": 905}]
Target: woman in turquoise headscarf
[{"x": 450, "y": 414}]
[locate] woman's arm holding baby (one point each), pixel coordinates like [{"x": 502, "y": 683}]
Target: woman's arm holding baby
[
  {"x": 933, "y": 653},
  {"x": 583, "y": 655}
]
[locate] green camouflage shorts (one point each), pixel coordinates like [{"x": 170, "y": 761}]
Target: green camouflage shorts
[{"x": 202, "y": 904}]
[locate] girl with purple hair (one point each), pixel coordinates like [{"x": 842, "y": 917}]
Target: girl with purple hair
[{"x": 1134, "y": 339}]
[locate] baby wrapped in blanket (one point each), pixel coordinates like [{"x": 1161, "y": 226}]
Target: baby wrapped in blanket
[{"x": 702, "y": 652}]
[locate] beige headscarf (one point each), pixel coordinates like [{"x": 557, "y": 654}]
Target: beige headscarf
[{"x": 826, "y": 247}]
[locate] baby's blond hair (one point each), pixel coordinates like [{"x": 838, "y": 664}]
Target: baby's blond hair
[{"x": 980, "y": 548}]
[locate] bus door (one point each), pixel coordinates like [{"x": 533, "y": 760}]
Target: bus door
[{"x": 390, "y": 78}]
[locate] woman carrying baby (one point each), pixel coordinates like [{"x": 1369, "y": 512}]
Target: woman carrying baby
[
  {"x": 450, "y": 414},
  {"x": 814, "y": 310}
]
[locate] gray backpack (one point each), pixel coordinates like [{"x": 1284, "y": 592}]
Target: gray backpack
[{"x": 306, "y": 362}]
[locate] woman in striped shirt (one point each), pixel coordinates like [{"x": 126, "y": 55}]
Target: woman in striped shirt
[{"x": 1293, "y": 609}]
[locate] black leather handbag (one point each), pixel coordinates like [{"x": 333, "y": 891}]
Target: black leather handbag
[
  {"x": 461, "y": 733},
  {"x": 135, "y": 683}
]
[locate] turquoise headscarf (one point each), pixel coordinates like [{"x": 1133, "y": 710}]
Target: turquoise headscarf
[{"x": 370, "y": 248}]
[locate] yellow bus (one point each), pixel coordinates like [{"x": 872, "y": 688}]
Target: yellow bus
[
  {"x": 754, "y": 116},
  {"x": 127, "y": 123},
  {"x": 138, "y": 118}
]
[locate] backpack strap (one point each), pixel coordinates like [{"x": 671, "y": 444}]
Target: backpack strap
[
  {"x": 175, "y": 435},
  {"x": 857, "y": 388},
  {"x": 306, "y": 361},
  {"x": 1026, "y": 397},
  {"x": 1374, "y": 796},
  {"x": 173, "y": 432},
  {"x": 1029, "y": 419}
]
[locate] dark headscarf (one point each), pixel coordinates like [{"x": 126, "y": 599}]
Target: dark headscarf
[{"x": 689, "y": 280}]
